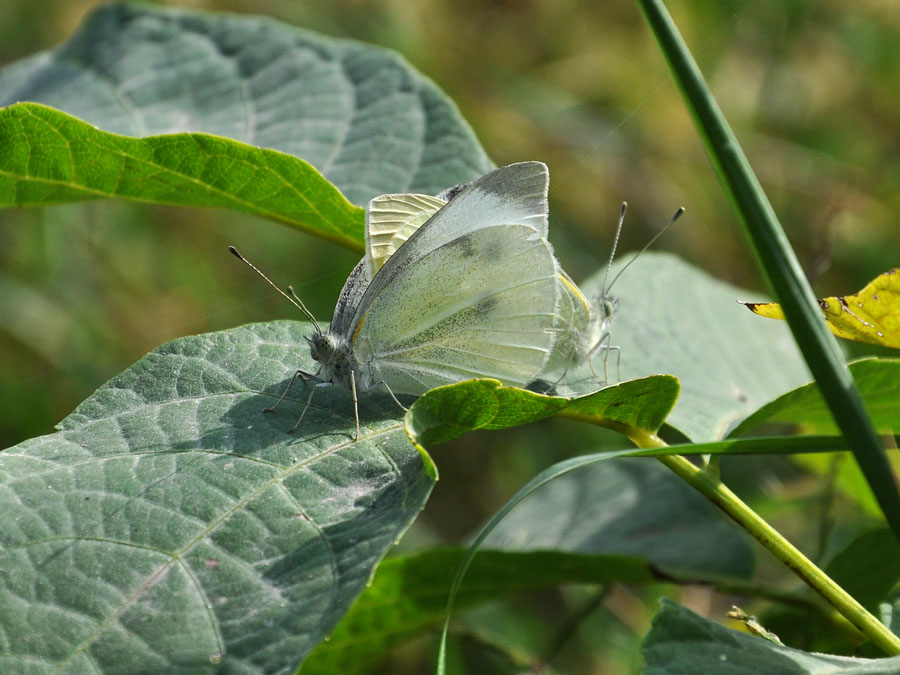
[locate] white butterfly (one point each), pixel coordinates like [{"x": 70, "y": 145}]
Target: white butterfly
[
  {"x": 473, "y": 291},
  {"x": 458, "y": 286}
]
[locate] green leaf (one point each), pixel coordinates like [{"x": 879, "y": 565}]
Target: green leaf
[
  {"x": 448, "y": 412},
  {"x": 52, "y": 158},
  {"x": 408, "y": 596},
  {"x": 642, "y": 403},
  {"x": 877, "y": 382},
  {"x": 170, "y": 525},
  {"x": 629, "y": 507},
  {"x": 868, "y": 568},
  {"x": 674, "y": 318},
  {"x": 804, "y": 406},
  {"x": 683, "y": 643},
  {"x": 361, "y": 115}
]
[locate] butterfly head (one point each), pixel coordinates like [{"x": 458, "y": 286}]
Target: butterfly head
[
  {"x": 606, "y": 308},
  {"x": 321, "y": 347},
  {"x": 337, "y": 364}
]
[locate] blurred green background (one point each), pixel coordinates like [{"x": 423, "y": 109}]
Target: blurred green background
[{"x": 812, "y": 90}]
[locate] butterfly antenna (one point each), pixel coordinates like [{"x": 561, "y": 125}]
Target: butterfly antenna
[
  {"x": 650, "y": 243},
  {"x": 292, "y": 298},
  {"x": 612, "y": 253}
]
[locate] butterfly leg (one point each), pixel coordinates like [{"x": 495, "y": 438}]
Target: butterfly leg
[
  {"x": 402, "y": 407},
  {"x": 605, "y": 346},
  {"x": 590, "y": 361},
  {"x": 384, "y": 384},
  {"x": 355, "y": 403},
  {"x": 306, "y": 377},
  {"x": 601, "y": 346},
  {"x": 618, "y": 351},
  {"x": 305, "y": 407}
]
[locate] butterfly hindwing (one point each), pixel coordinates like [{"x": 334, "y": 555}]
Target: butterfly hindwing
[{"x": 391, "y": 220}]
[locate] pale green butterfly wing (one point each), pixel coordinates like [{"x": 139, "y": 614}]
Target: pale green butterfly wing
[
  {"x": 481, "y": 305},
  {"x": 391, "y": 220},
  {"x": 579, "y": 326}
]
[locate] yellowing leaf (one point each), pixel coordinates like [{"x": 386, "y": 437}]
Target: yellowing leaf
[{"x": 872, "y": 315}]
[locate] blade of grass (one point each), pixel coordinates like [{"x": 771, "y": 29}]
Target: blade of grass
[{"x": 779, "y": 265}]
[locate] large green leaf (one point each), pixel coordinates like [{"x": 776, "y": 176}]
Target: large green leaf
[
  {"x": 169, "y": 525},
  {"x": 53, "y": 158},
  {"x": 683, "y": 643},
  {"x": 361, "y": 115},
  {"x": 673, "y": 318}
]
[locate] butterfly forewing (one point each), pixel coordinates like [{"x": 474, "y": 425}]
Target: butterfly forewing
[{"x": 489, "y": 309}]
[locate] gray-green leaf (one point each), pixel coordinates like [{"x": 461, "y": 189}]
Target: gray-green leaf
[
  {"x": 170, "y": 526},
  {"x": 361, "y": 115},
  {"x": 628, "y": 507},
  {"x": 673, "y": 318}
]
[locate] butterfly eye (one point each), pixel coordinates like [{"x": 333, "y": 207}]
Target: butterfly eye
[
  {"x": 320, "y": 347},
  {"x": 608, "y": 308}
]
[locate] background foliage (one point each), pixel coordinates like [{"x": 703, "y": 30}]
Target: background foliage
[{"x": 810, "y": 89}]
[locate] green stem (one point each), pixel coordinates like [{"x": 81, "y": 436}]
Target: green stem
[{"x": 716, "y": 491}]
